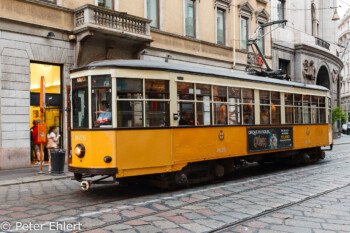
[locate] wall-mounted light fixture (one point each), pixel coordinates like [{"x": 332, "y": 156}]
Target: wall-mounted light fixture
[{"x": 51, "y": 34}]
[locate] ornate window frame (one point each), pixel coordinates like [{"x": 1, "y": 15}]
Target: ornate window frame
[
  {"x": 262, "y": 16},
  {"x": 196, "y": 23},
  {"x": 245, "y": 10},
  {"x": 160, "y": 13},
  {"x": 225, "y": 6}
]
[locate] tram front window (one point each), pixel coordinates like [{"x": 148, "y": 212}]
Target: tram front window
[
  {"x": 101, "y": 101},
  {"x": 80, "y": 103}
]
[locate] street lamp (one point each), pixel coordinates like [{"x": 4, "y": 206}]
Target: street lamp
[{"x": 335, "y": 15}]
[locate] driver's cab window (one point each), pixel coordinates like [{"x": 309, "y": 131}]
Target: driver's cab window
[{"x": 101, "y": 101}]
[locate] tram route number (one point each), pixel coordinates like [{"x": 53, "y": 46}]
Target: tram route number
[
  {"x": 221, "y": 150},
  {"x": 80, "y": 137}
]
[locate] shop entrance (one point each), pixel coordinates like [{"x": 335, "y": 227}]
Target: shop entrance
[{"x": 53, "y": 89}]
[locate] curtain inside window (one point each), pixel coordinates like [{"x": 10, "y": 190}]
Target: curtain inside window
[
  {"x": 261, "y": 41},
  {"x": 106, "y": 3},
  {"x": 220, "y": 17},
  {"x": 244, "y": 33},
  {"x": 152, "y": 12},
  {"x": 189, "y": 20}
]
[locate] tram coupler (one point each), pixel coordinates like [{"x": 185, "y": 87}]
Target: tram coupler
[{"x": 86, "y": 184}]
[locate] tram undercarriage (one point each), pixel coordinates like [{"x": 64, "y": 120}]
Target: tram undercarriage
[{"x": 207, "y": 171}]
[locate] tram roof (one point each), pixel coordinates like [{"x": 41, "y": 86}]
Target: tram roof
[{"x": 155, "y": 65}]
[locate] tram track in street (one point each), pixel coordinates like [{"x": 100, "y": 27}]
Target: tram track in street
[
  {"x": 248, "y": 180},
  {"x": 201, "y": 201},
  {"x": 271, "y": 211}
]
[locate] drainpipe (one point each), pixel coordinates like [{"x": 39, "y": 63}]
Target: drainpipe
[{"x": 234, "y": 35}]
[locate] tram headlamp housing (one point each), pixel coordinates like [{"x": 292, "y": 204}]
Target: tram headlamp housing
[
  {"x": 79, "y": 150},
  {"x": 107, "y": 159}
]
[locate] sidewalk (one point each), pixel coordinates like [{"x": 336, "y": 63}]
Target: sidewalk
[
  {"x": 30, "y": 175},
  {"x": 344, "y": 139}
]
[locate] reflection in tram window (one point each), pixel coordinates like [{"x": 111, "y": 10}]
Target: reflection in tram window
[
  {"x": 220, "y": 109},
  {"x": 264, "y": 97},
  {"x": 248, "y": 106},
  {"x": 157, "y": 113},
  {"x": 203, "y": 97},
  {"x": 203, "y": 113},
  {"x": 220, "y": 93},
  {"x": 298, "y": 109},
  {"x": 80, "y": 103},
  {"x": 306, "y": 109},
  {"x": 220, "y": 113},
  {"x": 275, "y": 107},
  {"x": 322, "y": 110},
  {"x": 101, "y": 101},
  {"x": 288, "y": 101},
  {"x": 157, "y": 89},
  {"x": 314, "y": 109},
  {"x": 234, "y": 95},
  {"x": 186, "y": 112},
  {"x": 130, "y": 114},
  {"x": 185, "y": 91},
  {"x": 129, "y": 88}
]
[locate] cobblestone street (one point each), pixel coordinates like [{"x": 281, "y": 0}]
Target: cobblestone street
[{"x": 259, "y": 198}]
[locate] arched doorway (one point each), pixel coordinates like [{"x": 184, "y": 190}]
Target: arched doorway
[{"x": 323, "y": 77}]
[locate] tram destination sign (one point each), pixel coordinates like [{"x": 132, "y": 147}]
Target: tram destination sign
[{"x": 264, "y": 139}]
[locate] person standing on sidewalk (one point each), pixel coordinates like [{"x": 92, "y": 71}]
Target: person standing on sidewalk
[
  {"x": 52, "y": 139},
  {"x": 36, "y": 143}
]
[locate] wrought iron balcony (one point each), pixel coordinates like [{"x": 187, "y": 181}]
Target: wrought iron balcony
[
  {"x": 111, "y": 22},
  {"x": 322, "y": 43}
]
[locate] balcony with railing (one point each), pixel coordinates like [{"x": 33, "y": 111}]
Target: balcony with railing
[
  {"x": 322, "y": 43},
  {"x": 90, "y": 17}
]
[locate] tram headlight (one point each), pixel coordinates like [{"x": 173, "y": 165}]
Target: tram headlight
[{"x": 79, "y": 150}]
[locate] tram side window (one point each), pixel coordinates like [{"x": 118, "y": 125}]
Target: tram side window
[
  {"x": 80, "y": 105},
  {"x": 298, "y": 109},
  {"x": 288, "y": 101},
  {"x": 329, "y": 111},
  {"x": 203, "y": 104},
  {"x": 129, "y": 105},
  {"x": 314, "y": 109},
  {"x": 220, "y": 105},
  {"x": 185, "y": 96},
  {"x": 101, "y": 88},
  {"x": 264, "y": 107},
  {"x": 322, "y": 110},
  {"x": 248, "y": 106},
  {"x": 234, "y": 95},
  {"x": 275, "y": 107},
  {"x": 306, "y": 109},
  {"x": 157, "y": 104}
]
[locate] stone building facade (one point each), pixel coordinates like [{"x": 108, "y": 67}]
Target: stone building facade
[
  {"x": 344, "y": 40},
  {"x": 305, "y": 47},
  {"x": 41, "y": 35}
]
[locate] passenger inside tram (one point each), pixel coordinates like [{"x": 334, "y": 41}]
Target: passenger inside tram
[
  {"x": 105, "y": 115},
  {"x": 186, "y": 118}
]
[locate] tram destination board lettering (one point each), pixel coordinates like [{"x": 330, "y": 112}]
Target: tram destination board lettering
[{"x": 266, "y": 139}]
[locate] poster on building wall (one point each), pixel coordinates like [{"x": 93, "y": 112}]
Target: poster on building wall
[{"x": 265, "y": 139}]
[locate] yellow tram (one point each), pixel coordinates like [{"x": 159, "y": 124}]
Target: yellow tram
[{"x": 176, "y": 124}]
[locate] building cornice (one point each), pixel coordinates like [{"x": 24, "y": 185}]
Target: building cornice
[
  {"x": 283, "y": 48},
  {"x": 49, "y": 5},
  {"x": 155, "y": 30},
  {"x": 319, "y": 52}
]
